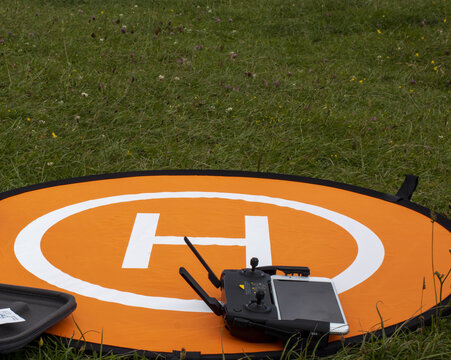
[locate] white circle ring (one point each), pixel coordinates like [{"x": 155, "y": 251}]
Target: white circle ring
[{"x": 27, "y": 248}]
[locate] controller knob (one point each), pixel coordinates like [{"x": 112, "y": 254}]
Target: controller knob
[
  {"x": 254, "y": 263},
  {"x": 260, "y": 294},
  {"x": 257, "y": 305}
]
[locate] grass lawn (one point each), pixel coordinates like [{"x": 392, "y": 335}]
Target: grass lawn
[{"x": 355, "y": 91}]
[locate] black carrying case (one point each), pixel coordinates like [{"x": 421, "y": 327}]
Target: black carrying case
[{"x": 40, "y": 308}]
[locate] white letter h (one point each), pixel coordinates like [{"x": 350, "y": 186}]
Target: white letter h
[{"x": 142, "y": 239}]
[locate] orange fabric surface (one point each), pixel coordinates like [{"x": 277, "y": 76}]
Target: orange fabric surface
[{"x": 90, "y": 245}]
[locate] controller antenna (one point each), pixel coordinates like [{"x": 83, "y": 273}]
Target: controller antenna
[{"x": 211, "y": 275}]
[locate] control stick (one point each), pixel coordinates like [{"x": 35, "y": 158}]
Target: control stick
[
  {"x": 254, "y": 263},
  {"x": 260, "y": 294}
]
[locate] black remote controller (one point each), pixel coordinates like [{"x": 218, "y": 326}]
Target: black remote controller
[{"x": 248, "y": 308}]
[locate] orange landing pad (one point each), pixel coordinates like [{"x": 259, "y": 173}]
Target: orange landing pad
[{"x": 115, "y": 242}]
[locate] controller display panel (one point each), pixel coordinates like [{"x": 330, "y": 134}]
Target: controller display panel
[{"x": 307, "y": 299}]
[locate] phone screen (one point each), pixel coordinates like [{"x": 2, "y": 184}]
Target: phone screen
[{"x": 308, "y": 300}]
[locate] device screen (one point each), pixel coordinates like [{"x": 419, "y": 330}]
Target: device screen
[{"x": 307, "y": 300}]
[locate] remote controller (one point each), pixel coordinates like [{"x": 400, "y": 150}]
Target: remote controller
[{"x": 248, "y": 307}]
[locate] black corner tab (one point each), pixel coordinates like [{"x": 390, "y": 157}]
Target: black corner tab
[{"x": 407, "y": 188}]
